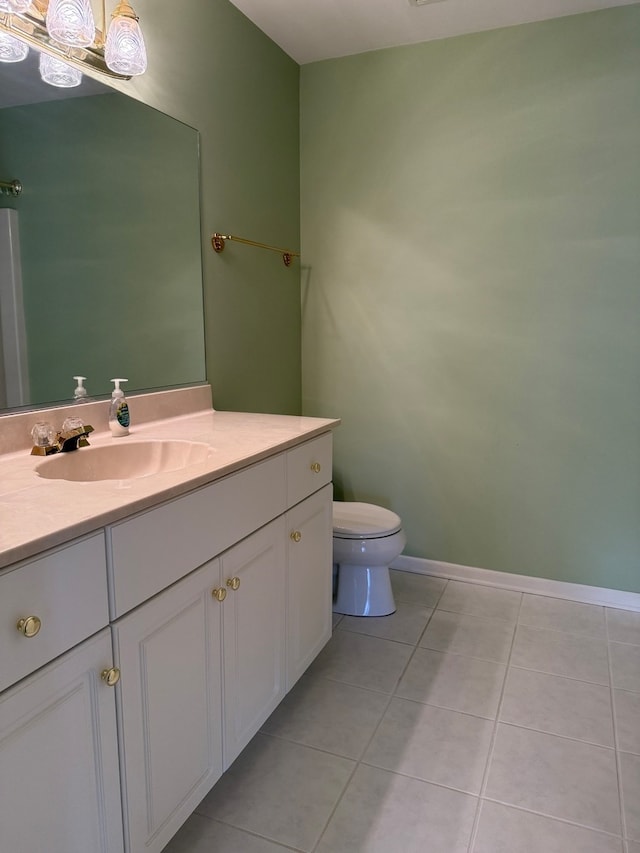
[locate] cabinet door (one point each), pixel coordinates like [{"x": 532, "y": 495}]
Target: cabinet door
[
  {"x": 310, "y": 546},
  {"x": 254, "y": 634},
  {"x": 59, "y": 780},
  {"x": 170, "y": 727}
]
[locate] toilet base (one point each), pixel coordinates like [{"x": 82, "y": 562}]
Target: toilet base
[{"x": 364, "y": 591}]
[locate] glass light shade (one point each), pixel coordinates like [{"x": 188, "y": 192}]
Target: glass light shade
[
  {"x": 12, "y": 49},
  {"x": 18, "y": 5},
  {"x": 71, "y": 22},
  {"x": 58, "y": 73},
  {"x": 125, "y": 52}
]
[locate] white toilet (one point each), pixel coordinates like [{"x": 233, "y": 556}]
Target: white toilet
[{"x": 366, "y": 539}]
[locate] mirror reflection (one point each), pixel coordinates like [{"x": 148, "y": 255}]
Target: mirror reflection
[{"x": 101, "y": 251}]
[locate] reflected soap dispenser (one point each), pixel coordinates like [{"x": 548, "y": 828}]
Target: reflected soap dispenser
[
  {"x": 80, "y": 393},
  {"x": 118, "y": 410}
]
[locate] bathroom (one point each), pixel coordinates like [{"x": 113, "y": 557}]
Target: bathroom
[{"x": 466, "y": 298}]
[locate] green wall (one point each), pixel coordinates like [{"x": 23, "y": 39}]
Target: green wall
[
  {"x": 471, "y": 246},
  {"x": 210, "y": 67}
]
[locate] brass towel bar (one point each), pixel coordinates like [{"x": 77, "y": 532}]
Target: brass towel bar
[
  {"x": 218, "y": 241},
  {"x": 10, "y": 187}
]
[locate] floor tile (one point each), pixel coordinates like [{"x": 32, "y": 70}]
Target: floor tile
[
  {"x": 336, "y": 619},
  {"x": 404, "y": 626},
  {"x": 336, "y": 717},
  {"x": 556, "y": 653},
  {"x": 630, "y": 775},
  {"x": 381, "y": 812},
  {"x": 489, "y": 639},
  {"x": 477, "y": 600},
  {"x": 432, "y": 744},
  {"x": 203, "y": 835},
  {"x": 624, "y": 626},
  {"x": 453, "y": 681},
  {"x": 560, "y": 706},
  {"x": 625, "y": 666},
  {"x": 628, "y": 720},
  {"x": 506, "y": 830},
  {"x": 554, "y": 776},
  {"x": 556, "y": 614},
  {"x": 279, "y": 790},
  {"x": 363, "y": 661},
  {"x": 416, "y": 589}
]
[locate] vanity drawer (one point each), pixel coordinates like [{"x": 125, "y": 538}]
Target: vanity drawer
[
  {"x": 66, "y": 590},
  {"x": 308, "y": 468},
  {"x": 155, "y": 549}
]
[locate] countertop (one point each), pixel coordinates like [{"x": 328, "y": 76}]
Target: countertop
[{"x": 37, "y": 514}]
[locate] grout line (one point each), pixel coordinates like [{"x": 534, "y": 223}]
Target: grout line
[
  {"x": 351, "y": 684},
  {"x": 384, "y": 639},
  {"x": 513, "y": 725},
  {"x": 625, "y": 643},
  {"x": 375, "y": 730},
  {"x": 478, "y": 615},
  {"x": 553, "y": 817},
  {"x": 583, "y": 635},
  {"x": 444, "y": 708},
  {"x": 485, "y": 777},
  {"x": 562, "y": 675},
  {"x": 615, "y": 733},
  {"x": 261, "y": 837}
]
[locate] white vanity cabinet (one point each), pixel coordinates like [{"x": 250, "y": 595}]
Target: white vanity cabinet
[
  {"x": 217, "y": 602},
  {"x": 253, "y": 633},
  {"x": 309, "y": 581},
  {"x": 206, "y": 654},
  {"x": 168, "y": 652},
  {"x": 59, "y": 776}
]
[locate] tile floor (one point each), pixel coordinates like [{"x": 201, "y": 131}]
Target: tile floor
[{"x": 473, "y": 720}]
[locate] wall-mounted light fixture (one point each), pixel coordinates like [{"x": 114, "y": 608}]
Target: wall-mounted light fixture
[{"x": 65, "y": 33}]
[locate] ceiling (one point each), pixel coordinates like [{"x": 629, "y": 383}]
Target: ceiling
[{"x": 309, "y": 30}]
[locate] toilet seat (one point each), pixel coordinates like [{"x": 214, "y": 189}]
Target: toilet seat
[{"x": 353, "y": 520}]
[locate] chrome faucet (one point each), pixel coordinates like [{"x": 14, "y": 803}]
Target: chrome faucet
[{"x": 72, "y": 436}]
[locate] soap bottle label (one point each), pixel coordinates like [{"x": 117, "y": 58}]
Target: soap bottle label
[{"x": 122, "y": 414}]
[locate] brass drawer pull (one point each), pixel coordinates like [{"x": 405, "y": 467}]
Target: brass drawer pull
[
  {"x": 296, "y": 535},
  {"x": 29, "y": 626},
  {"x": 219, "y": 594},
  {"x": 234, "y": 583},
  {"x": 110, "y": 676},
  {"x": 316, "y": 467}
]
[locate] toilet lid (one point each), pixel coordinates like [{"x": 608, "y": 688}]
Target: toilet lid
[{"x": 363, "y": 521}]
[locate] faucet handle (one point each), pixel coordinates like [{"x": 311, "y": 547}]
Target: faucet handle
[
  {"x": 72, "y": 423},
  {"x": 43, "y": 435}
]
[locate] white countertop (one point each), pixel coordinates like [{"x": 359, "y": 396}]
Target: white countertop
[{"x": 37, "y": 513}]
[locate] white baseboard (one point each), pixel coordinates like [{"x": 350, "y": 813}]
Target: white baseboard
[{"x": 521, "y": 583}]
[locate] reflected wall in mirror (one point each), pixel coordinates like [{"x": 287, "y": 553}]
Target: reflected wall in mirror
[{"x": 109, "y": 243}]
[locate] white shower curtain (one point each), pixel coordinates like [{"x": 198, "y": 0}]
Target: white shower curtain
[{"x": 14, "y": 377}]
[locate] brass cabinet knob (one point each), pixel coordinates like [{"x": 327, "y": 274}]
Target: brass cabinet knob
[
  {"x": 315, "y": 467},
  {"x": 219, "y": 594},
  {"x": 295, "y": 535},
  {"x": 29, "y": 626},
  {"x": 234, "y": 583},
  {"x": 110, "y": 676}
]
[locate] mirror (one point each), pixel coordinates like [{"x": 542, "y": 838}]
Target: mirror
[{"x": 108, "y": 225}]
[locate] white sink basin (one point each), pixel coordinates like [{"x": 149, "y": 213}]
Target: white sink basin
[{"x": 128, "y": 460}]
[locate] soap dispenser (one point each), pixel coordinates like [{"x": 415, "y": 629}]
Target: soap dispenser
[
  {"x": 80, "y": 393},
  {"x": 118, "y": 410}
]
